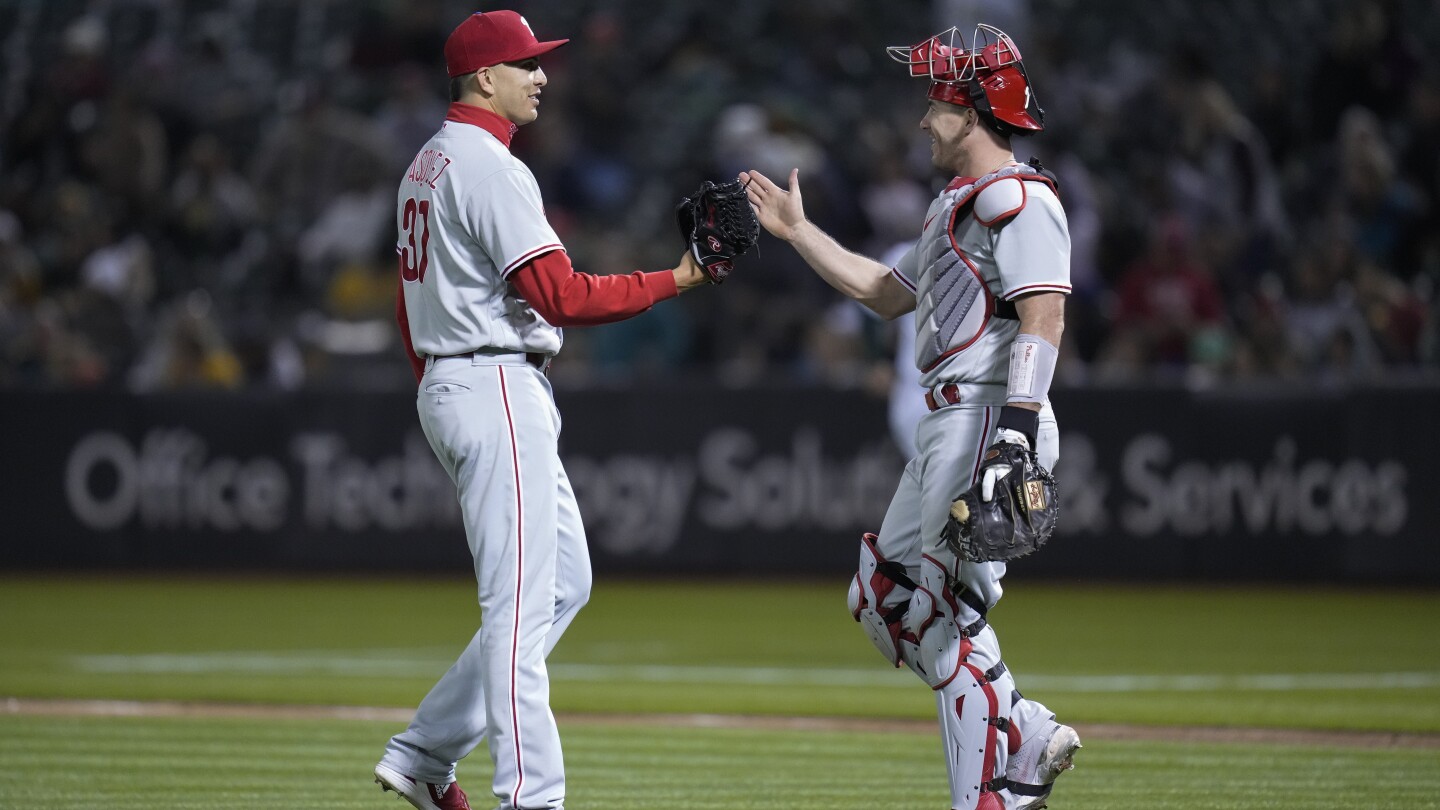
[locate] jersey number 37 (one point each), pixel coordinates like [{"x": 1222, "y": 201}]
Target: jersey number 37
[{"x": 415, "y": 229}]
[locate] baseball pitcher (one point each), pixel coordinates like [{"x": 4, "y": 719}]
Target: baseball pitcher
[
  {"x": 486, "y": 289},
  {"x": 987, "y": 281}
]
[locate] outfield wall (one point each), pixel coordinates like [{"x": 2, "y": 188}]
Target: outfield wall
[{"x": 1299, "y": 485}]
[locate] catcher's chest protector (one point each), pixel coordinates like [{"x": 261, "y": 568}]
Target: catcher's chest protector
[{"x": 954, "y": 301}]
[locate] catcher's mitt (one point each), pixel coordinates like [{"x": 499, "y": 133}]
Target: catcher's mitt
[
  {"x": 1017, "y": 520},
  {"x": 718, "y": 224}
]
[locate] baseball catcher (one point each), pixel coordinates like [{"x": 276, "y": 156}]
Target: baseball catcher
[
  {"x": 1009, "y": 513},
  {"x": 986, "y": 279},
  {"x": 717, "y": 224}
]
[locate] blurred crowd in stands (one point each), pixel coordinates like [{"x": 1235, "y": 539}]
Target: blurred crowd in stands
[{"x": 200, "y": 194}]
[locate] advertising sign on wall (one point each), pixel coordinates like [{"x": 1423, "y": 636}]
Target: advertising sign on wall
[{"x": 771, "y": 482}]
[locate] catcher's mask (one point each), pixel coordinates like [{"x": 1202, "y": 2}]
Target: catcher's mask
[{"x": 988, "y": 77}]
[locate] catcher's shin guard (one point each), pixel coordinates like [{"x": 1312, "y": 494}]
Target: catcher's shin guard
[
  {"x": 879, "y": 598},
  {"x": 972, "y": 689},
  {"x": 974, "y": 723}
]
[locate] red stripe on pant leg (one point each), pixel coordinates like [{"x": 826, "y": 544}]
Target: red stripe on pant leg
[
  {"x": 519, "y": 581},
  {"x": 980, "y": 454},
  {"x": 987, "y": 767}
]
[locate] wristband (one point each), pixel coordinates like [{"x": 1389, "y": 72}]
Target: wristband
[
  {"x": 1032, "y": 367},
  {"x": 1023, "y": 420}
]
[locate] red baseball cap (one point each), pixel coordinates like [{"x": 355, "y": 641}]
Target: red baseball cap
[{"x": 490, "y": 38}]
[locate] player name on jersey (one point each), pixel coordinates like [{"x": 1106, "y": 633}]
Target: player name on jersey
[{"x": 427, "y": 167}]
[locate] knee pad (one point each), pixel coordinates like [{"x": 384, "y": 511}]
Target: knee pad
[
  {"x": 941, "y": 645},
  {"x": 878, "y": 580}
]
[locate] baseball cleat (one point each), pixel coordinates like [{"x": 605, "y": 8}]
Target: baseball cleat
[
  {"x": 1032, "y": 771},
  {"x": 424, "y": 795},
  {"x": 1059, "y": 753}
]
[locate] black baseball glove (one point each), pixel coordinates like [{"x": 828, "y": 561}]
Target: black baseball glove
[
  {"x": 1018, "y": 518},
  {"x": 717, "y": 224}
]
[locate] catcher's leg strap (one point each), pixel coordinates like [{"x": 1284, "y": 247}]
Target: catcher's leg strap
[
  {"x": 995, "y": 785},
  {"x": 1021, "y": 789},
  {"x": 1003, "y": 724},
  {"x": 877, "y": 582},
  {"x": 925, "y": 608},
  {"x": 971, "y": 599}
]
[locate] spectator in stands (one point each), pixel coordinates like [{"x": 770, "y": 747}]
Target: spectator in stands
[
  {"x": 117, "y": 139},
  {"x": 212, "y": 213},
  {"x": 1262, "y": 350},
  {"x": 1395, "y": 315},
  {"x": 1222, "y": 179},
  {"x": 1381, "y": 206},
  {"x": 126, "y": 151},
  {"x": 1168, "y": 300},
  {"x": 1369, "y": 60},
  {"x": 188, "y": 351},
  {"x": 406, "y": 116},
  {"x": 20, "y": 292},
  {"x": 1324, "y": 320},
  {"x": 314, "y": 151}
]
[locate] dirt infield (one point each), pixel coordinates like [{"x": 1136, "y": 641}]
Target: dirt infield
[{"x": 1098, "y": 731}]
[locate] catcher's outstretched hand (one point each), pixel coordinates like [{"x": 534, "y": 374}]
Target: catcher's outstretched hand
[{"x": 779, "y": 210}]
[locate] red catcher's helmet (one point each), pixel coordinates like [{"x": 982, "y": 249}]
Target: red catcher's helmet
[{"x": 989, "y": 77}]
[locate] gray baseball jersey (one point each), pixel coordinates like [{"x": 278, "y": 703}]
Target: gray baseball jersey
[
  {"x": 469, "y": 206},
  {"x": 985, "y": 242}
]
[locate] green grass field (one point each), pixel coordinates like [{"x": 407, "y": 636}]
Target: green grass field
[
  {"x": 136, "y": 764},
  {"x": 1237, "y": 657}
]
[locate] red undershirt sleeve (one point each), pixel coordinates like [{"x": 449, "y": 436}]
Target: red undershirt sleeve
[
  {"x": 416, "y": 364},
  {"x": 564, "y": 297}
]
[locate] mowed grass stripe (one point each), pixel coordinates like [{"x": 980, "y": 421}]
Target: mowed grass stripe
[
  {"x": 1190, "y": 776},
  {"x": 396, "y": 662},
  {"x": 188, "y": 746},
  {"x": 208, "y": 764},
  {"x": 139, "y": 763},
  {"x": 1247, "y": 656}
]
